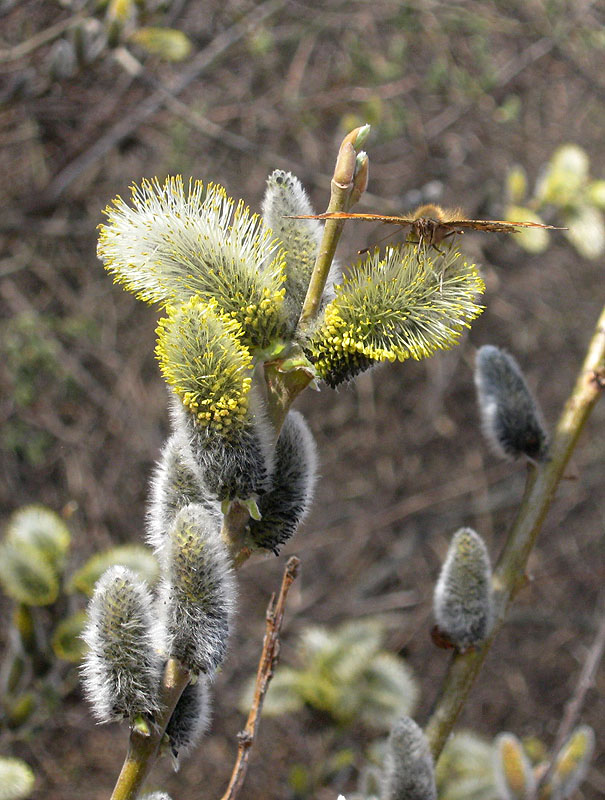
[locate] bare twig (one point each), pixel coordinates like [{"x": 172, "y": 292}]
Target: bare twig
[
  {"x": 509, "y": 576},
  {"x": 267, "y": 663},
  {"x": 573, "y": 707},
  {"x": 137, "y": 114},
  {"x": 41, "y": 38}
]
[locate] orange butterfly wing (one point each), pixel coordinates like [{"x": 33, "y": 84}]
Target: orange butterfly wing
[
  {"x": 495, "y": 225},
  {"x": 344, "y": 215}
]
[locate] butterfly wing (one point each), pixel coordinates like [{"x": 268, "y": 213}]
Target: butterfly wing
[
  {"x": 496, "y": 225},
  {"x": 345, "y": 215}
]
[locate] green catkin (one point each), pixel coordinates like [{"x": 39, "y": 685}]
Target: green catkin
[
  {"x": 174, "y": 241},
  {"x": 122, "y": 669},
  {"x": 300, "y": 238},
  {"x": 402, "y": 304},
  {"x": 198, "y": 593},
  {"x": 513, "y": 773},
  {"x": 285, "y": 505},
  {"x": 572, "y": 762},
  {"x": 237, "y": 467},
  {"x": 511, "y": 419},
  {"x": 463, "y": 602},
  {"x": 409, "y": 773}
]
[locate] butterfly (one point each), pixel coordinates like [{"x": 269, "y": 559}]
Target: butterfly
[{"x": 432, "y": 224}]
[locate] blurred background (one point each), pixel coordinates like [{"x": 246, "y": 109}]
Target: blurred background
[{"x": 495, "y": 107}]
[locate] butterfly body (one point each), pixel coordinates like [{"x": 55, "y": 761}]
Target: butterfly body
[{"x": 431, "y": 224}]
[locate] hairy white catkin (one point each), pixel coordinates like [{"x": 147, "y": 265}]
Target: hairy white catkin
[
  {"x": 236, "y": 467},
  {"x": 190, "y": 719},
  {"x": 462, "y": 602},
  {"x": 409, "y": 772},
  {"x": 285, "y": 505},
  {"x": 122, "y": 668},
  {"x": 301, "y": 238},
  {"x": 174, "y": 485},
  {"x": 197, "y": 594},
  {"x": 510, "y": 417}
]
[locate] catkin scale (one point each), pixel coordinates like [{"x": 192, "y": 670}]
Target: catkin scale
[
  {"x": 285, "y": 505},
  {"x": 510, "y": 417},
  {"x": 463, "y": 603},
  {"x": 122, "y": 669},
  {"x": 409, "y": 772},
  {"x": 198, "y": 591}
]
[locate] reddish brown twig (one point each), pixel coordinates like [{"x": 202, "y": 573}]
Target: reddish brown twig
[{"x": 268, "y": 660}]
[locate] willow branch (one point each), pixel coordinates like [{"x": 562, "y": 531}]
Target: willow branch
[
  {"x": 509, "y": 575},
  {"x": 143, "y": 745},
  {"x": 342, "y": 188},
  {"x": 267, "y": 663}
]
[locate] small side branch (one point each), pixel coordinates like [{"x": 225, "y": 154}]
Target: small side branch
[
  {"x": 509, "y": 576},
  {"x": 267, "y": 663},
  {"x": 573, "y": 708}
]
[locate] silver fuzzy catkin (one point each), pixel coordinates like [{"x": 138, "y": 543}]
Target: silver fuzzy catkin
[
  {"x": 510, "y": 417},
  {"x": 284, "y": 507},
  {"x": 122, "y": 668},
  {"x": 462, "y": 601},
  {"x": 409, "y": 772},
  {"x": 236, "y": 467},
  {"x": 174, "y": 485},
  {"x": 301, "y": 238},
  {"x": 190, "y": 719},
  {"x": 198, "y": 591}
]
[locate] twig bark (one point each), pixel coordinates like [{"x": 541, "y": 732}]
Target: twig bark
[
  {"x": 143, "y": 748},
  {"x": 509, "y": 575},
  {"x": 267, "y": 663}
]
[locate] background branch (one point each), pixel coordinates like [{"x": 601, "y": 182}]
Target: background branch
[
  {"x": 509, "y": 575},
  {"x": 268, "y": 660}
]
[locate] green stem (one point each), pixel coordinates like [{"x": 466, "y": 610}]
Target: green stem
[
  {"x": 509, "y": 575},
  {"x": 142, "y": 749}
]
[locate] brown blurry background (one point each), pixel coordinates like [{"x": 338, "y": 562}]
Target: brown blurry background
[{"x": 457, "y": 93}]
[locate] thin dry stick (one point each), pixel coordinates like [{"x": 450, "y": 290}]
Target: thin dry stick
[
  {"x": 268, "y": 660},
  {"x": 509, "y": 576},
  {"x": 574, "y": 706}
]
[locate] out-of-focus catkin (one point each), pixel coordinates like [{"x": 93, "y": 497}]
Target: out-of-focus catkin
[
  {"x": 510, "y": 417},
  {"x": 409, "y": 771},
  {"x": 462, "y": 601}
]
